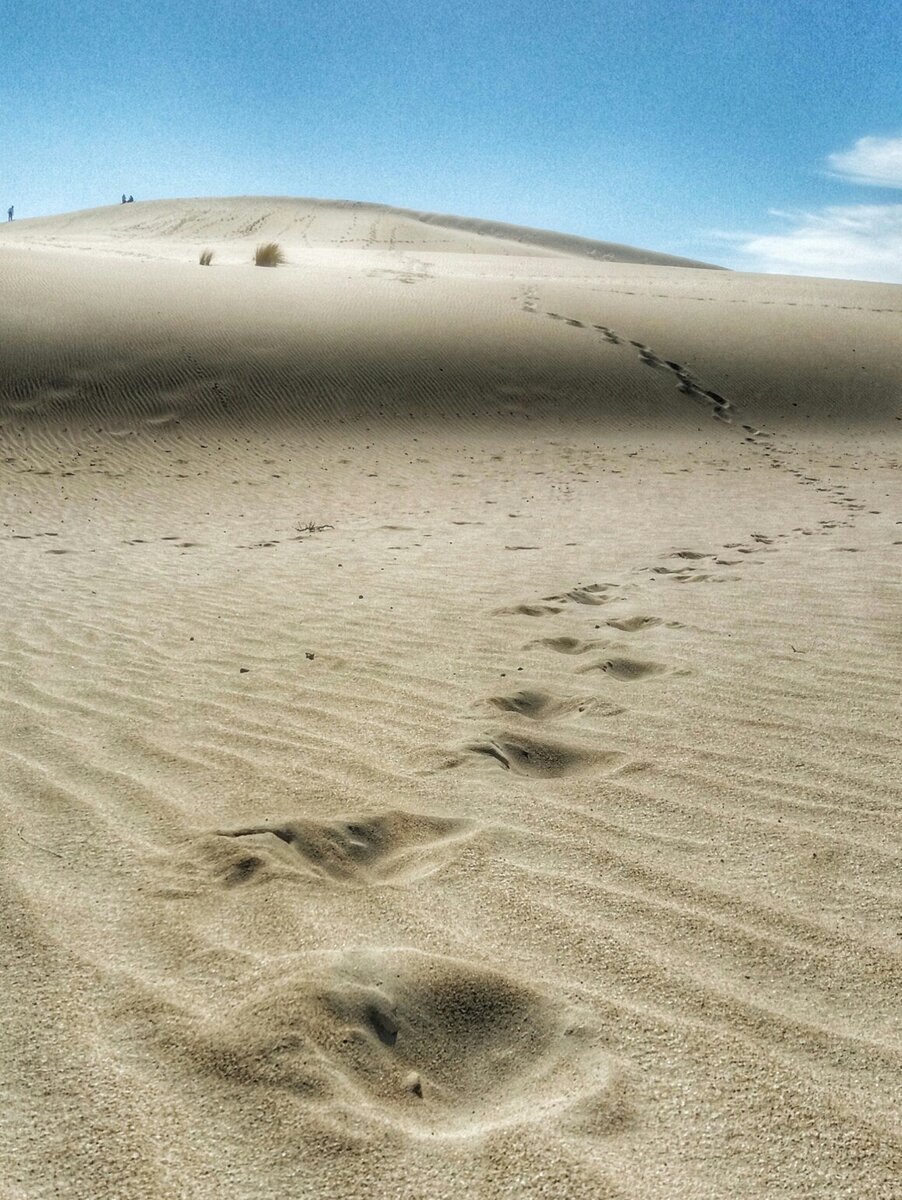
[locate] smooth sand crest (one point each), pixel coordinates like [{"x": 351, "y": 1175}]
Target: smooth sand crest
[
  {"x": 450, "y": 726},
  {"x": 166, "y": 228}
]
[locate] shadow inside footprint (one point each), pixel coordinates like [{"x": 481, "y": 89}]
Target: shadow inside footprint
[
  {"x": 564, "y": 645},
  {"x": 540, "y": 705},
  {"x": 592, "y": 593},
  {"x": 633, "y": 624},
  {"x": 528, "y": 610}
]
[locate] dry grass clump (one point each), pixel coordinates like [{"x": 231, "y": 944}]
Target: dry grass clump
[
  {"x": 206, "y": 257},
  {"x": 269, "y": 254},
  {"x": 312, "y": 527}
]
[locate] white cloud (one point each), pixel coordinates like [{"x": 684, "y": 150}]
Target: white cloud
[
  {"x": 858, "y": 241},
  {"x": 872, "y": 160},
  {"x": 862, "y": 241}
]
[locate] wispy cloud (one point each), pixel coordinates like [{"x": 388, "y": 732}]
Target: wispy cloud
[
  {"x": 862, "y": 241},
  {"x": 857, "y": 241},
  {"x": 874, "y": 161}
]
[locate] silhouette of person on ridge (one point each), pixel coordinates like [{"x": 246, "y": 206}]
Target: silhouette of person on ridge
[
  {"x": 9, "y": 213},
  {"x": 123, "y": 198}
]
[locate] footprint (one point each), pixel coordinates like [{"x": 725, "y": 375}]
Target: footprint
[
  {"x": 402, "y": 1038},
  {"x": 530, "y": 299},
  {"x": 540, "y": 757},
  {"x": 529, "y": 610},
  {"x": 388, "y": 847},
  {"x": 593, "y": 593},
  {"x": 540, "y": 705},
  {"x": 584, "y": 596},
  {"x": 634, "y": 624},
  {"x": 564, "y": 645},
  {"x": 627, "y": 670}
]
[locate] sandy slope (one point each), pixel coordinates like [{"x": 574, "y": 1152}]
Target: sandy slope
[
  {"x": 234, "y": 225},
  {"x": 531, "y": 829}
]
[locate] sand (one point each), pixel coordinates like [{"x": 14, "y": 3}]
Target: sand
[{"x": 527, "y": 827}]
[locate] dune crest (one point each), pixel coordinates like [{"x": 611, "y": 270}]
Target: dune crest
[{"x": 302, "y": 223}]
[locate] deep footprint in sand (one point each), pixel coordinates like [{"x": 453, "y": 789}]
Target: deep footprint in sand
[
  {"x": 540, "y": 757},
  {"x": 539, "y": 705},
  {"x": 413, "y": 1041},
  {"x": 382, "y": 848},
  {"x": 564, "y": 645},
  {"x": 529, "y": 610}
]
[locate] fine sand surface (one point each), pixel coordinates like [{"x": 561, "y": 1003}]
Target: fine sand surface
[{"x": 530, "y": 829}]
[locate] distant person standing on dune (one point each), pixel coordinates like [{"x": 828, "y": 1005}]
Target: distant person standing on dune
[
  {"x": 9, "y": 213},
  {"x": 123, "y": 198}
]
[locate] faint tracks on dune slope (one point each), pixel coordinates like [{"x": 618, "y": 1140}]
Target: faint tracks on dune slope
[{"x": 779, "y": 452}]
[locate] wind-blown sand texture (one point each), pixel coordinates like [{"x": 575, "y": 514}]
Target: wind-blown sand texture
[{"x": 529, "y": 830}]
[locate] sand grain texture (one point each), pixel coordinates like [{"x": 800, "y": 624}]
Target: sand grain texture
[{"x": 529, "y": 829}]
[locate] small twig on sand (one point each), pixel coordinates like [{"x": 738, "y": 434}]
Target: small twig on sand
[
  {"x": 37, "y": 845},
  {"x": 312, "y": 527}
]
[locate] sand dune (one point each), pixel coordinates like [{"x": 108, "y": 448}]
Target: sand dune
[
  {"x": 233, "y": 224},
  {"x": 450, "y": 726}
]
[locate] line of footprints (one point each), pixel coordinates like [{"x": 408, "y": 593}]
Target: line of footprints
[
  {"x": 529, "y": 755},
  {"x": 516, "y": 748},
  {"x": 721, "y": 409}
]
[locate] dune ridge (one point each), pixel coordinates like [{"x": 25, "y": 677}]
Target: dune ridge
[
  {"x": 310, "y": 223},
  {"x": 450, "y": 724}
]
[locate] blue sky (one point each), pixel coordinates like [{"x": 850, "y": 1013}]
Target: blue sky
[{"x": 760, "y": 135}]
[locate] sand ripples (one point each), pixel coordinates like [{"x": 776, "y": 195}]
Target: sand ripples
[{"x": 379, "y": 852}]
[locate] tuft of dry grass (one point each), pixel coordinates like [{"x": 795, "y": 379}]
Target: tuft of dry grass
[
  {"x": 206, "y": 257},
  {"x": 269, "y": 254},
  {"x": 312, "y": 527}
]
